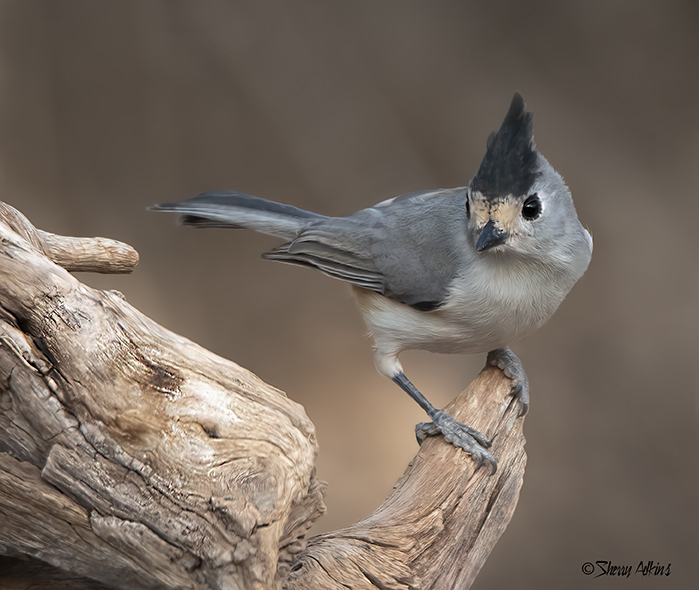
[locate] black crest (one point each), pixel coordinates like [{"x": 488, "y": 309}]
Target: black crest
[{"x": 509, "y": 164}]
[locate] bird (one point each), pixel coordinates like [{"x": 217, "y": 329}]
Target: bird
[{"x": 461, "y": 270}]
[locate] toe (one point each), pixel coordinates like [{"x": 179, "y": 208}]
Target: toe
[{"x": 425, "y": 429}]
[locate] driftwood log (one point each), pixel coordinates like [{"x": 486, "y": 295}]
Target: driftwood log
[{"x": 132, "y": 458}]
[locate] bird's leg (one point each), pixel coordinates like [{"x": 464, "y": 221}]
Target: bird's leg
[
  {"x": 508, "y": 362},
  {"x": 458, "y": 434}
]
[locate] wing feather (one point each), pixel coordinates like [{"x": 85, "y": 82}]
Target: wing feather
[
  {"x": 334, "y": 263},
  {"x": 407, "y": 248}
]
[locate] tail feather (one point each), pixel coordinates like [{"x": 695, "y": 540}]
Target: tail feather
[{"x": 238, "y": 210}]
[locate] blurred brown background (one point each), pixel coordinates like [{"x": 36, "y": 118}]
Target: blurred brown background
[{"x": 107, "y": 107}]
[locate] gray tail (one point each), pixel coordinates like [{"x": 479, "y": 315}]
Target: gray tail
[{"x": 238, "y": 210}]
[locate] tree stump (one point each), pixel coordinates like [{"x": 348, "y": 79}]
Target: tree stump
[{"x": 132, "y": 458}]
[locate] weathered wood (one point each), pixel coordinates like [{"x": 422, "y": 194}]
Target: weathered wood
[
  {"x": 442, "y": 520},
  {"x": 74, "y": 254},
  {"x": 133, "y": 457},
  {"x": 146, "y": 461}
]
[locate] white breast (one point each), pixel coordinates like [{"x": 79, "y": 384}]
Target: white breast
[{"x": 485, "y": 312}]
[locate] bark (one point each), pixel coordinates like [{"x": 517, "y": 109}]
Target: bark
[{"x": 131, "y": 457}]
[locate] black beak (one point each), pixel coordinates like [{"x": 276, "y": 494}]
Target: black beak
[{"x": 491, "y": 235}]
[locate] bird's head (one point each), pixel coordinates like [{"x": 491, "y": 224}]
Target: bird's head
[{"x": 516, "y": 201}]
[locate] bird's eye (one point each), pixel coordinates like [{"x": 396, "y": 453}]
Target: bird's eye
[
  {"x": 532, "y": 207},
  {"x": 468, "y": 208}
]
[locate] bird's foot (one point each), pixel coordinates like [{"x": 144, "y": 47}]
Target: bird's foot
[
  {"x": 507, "y": 361},
  {"x": 458, "y": 434}
]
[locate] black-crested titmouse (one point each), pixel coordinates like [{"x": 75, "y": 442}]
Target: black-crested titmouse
[{"x": 461, "y": 270}]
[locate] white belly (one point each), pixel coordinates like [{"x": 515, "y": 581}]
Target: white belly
[{"x": 474, "y": 319}]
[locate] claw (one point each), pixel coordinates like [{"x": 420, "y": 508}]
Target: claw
[
  {"x": 460, "y": 435},
  {"x": 425, "y": 429},
  {"x": 511, "y": 366}
]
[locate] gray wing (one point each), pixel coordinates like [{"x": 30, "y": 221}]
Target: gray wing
[{"x": 407, "y": 248}]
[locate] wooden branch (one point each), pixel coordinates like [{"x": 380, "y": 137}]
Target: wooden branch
[
  {"x": 74, "y": 254},
  {"x": 132, "y": 458},
  {"x": 147, "y": 461},
  {"x": 442, "y": 520}
]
